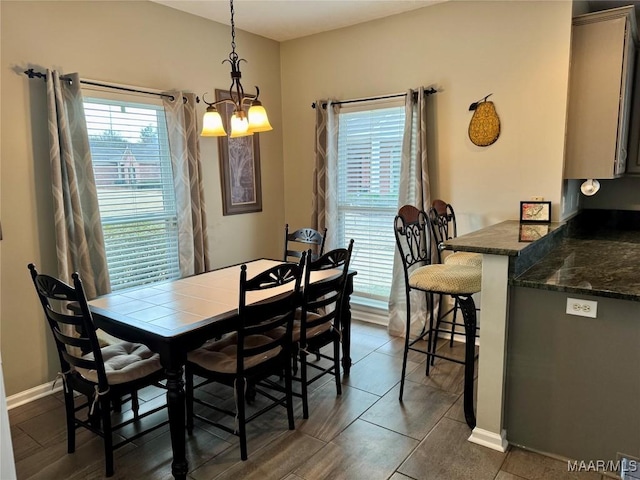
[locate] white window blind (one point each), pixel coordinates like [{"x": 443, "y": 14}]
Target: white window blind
[
  {"x": 132, "y": 167},
  {"x": 369, "y": 151}
]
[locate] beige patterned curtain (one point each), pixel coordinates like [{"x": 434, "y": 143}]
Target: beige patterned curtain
[
  {"x": 187, "y": 173},
  {"x": 414, "y": 190},
  {"x": 78, "y": 229},
  {"x": 325, "y": 172}
]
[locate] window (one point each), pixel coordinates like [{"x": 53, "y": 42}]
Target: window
[
  {"x": 369, "y": 152},
  {"x": 132, "y": 168}
]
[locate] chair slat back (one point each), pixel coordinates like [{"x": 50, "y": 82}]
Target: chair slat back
[
  {"x": 413, "y": 237},
  {"x": 74, "y": 333},
  {"x": 325, "y": 298},
  {"x": 305, "y": 236},
  {"x": 273, "y": 314}
]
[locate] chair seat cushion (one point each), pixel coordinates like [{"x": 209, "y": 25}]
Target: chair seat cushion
[
  {"x": 124, "y": 362},
  {"x": 222, "y": 355},
  {"x": 295, "y": 334},
  {"x": 450, "y": 279},
  {"x": 464, "y": 258}
]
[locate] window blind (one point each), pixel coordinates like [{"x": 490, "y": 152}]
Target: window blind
[
  {"x": 369, "y": 152},
  {"x": 132, "y": 168}
]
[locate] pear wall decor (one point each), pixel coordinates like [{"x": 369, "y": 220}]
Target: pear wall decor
[{"x": 484, "y": 128}]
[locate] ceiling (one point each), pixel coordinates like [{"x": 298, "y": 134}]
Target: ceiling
[{"x": 288, "y": 19}]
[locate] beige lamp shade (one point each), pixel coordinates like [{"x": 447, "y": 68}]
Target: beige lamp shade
[
  {"x": 258, "y": 120},
  {"x": 239, "y": 125},
  {"x": 212, "y": 124}
]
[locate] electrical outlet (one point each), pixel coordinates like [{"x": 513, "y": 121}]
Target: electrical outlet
[
  {"x": 582, "y": 308},
  {"x": 537, "y": 199}
]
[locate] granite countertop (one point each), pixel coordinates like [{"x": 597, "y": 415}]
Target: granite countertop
[
  {"x": 506, "y": 238},
  {"x": 591, "y": 256},
  {"x": 606, "y": 265}
]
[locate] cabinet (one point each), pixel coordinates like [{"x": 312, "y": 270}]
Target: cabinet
[
  {"x": 633, "y": 162},
  {"x": 603, "y": 48}
]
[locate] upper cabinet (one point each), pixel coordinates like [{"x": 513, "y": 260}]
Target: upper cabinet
[{"x": 603, "y": 48}]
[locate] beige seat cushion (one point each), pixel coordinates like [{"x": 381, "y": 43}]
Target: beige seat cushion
[
  {"x": 464, "y": 258},
  {"x": 453, "y": 279},
  {"x": 222, "y": 355},
  {"x": 124, "y": 362}
]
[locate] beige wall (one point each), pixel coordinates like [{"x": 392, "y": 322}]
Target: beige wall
[
  {"x": 519, "y": 51},
  {"x": 135, "y": 43}
]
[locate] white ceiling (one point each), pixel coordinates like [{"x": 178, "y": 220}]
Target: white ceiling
[{"x": 287, "y": 19}]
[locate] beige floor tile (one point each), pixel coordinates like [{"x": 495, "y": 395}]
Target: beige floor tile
[
  {"x": 398, "y": 476},
  {"x": 534, "y": 466},
  {"x": 363, "y": 451},
  {"x": 507, "y": 476},
  {"x": 445, "y": 454},
  {"x": 421, "y": 408},
  {"x": 456, "y": 412},
  {"x": 447, "y": 376},
  {"x": 366, "y": 328},
  {"x": 33, "y": 409}
]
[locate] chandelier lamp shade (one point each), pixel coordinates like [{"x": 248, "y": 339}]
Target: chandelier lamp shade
[{"x": 249, "y": 116}]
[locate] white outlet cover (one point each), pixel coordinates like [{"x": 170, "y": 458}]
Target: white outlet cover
[{"x": 582, "y": 308}]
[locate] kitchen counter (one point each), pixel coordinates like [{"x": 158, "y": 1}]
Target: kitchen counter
[{"x": 595, "y": 253}]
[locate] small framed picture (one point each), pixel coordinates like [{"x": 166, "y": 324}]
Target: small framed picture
[
  {"x": 532, "y": 232},
  {"x": 539, "y": 212}
]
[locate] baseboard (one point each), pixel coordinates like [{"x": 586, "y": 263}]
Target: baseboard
[
  {"x": 489, "y": 439},
  {"x": 32, "y": 394},
  {"x": 369, "y": 314}
]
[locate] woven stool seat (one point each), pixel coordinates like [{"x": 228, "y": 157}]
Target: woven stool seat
[
  {"x": 464, "y": 258},
  {"x": 449, "y": 279}
]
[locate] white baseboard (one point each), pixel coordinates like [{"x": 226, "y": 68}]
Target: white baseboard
[
  {"x": 489, "y": 439},
  {"x": 32, "y": 394},
  {"x": 369, "y": 314}
]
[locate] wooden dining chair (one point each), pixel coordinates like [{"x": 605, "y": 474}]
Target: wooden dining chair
[
  {"x": 319, "y": 322},
  {"x": 248, "y": 357},
  {"x": 304, "y": 237},
  {"x": 105, "y": 376}
]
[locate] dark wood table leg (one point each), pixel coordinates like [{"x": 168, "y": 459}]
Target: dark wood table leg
[
  {"x": 468, "y": 307},
  {"x": 346, "y": 327},
  {"x": 176, "y": 407}
]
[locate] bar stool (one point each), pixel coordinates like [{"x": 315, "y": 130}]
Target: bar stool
[
  {"x": 414, "y": 242},
  {"x": 443, "y": 225}
]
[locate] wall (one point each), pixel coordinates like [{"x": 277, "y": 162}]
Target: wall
[
  {"x": 135, "y": 43},
  {"x": 519, "y": 51}
]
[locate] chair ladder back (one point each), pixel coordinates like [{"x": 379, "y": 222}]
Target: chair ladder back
[
  {"x": 325, "y": 296},
  {"x": 413, "y": 236},
  {"x": 268, "y": 315},
  {"x": 86, "y": 341}
]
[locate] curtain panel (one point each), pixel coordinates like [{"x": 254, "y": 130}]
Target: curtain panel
[
  {"x": 78, "y": 229},
  {"x": 414, "y": 190},
  {"x": 187, "y": 173},
  {"x": 324, "y": 199}
]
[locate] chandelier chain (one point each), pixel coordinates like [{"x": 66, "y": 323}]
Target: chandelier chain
[{"x": 233, "y": 55}]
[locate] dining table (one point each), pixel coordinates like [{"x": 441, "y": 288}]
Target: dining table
[{"x": 176, "y": 316}]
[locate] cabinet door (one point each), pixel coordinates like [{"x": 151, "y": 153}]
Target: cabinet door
[{"x": 595, "y": 80}]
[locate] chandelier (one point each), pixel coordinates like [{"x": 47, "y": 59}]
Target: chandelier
[{"x": 242, "y": 122}]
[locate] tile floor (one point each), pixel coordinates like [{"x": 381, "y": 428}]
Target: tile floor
[{"x": 363, "y": 434}]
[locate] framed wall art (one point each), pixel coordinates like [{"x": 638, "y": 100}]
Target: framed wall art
[
  {"x": 239, "y": 166},
  {"x": 539, "y": 212}
]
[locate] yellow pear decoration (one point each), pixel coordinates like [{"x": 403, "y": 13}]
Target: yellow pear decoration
[{"x": 484, "y": 128}]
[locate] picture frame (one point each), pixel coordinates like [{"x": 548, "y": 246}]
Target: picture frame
[
  {"x": 239, "y": 166},
  {"x": 535, "y": 212},
  {"x": 530, "y": 232}
]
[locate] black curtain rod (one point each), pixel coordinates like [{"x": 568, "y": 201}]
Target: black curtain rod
[
  {"x": 429, "y": 91},
  {"x": 31, "y": 73}
]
